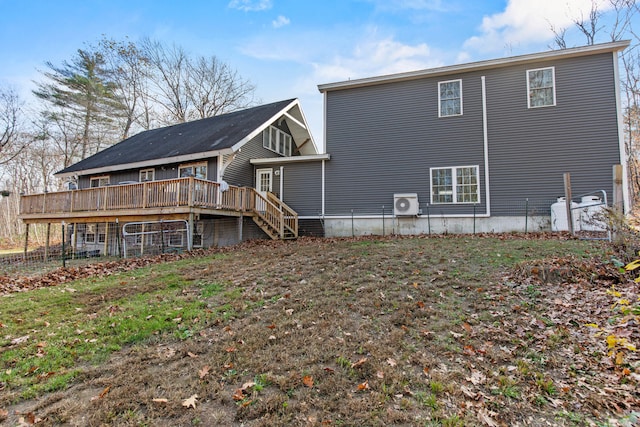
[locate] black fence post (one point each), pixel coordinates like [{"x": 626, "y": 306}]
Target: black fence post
[
  {"x": 526, "y": 214},
  {"x": 428, "y": 221},
  {"x": 383, "y": 220}
]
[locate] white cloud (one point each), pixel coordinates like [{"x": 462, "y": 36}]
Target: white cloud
[
  {"x": 250, "y": 5},
  {"x": 280, "y": 21},
  {"x": 375, "y": 57},
  {"x": 526, "y": 22}
]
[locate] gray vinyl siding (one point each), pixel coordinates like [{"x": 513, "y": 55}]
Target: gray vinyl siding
[
  {"x": 240, "y": 172},
  {"x": 169, "y": 171},
  {"x": 302, "y": 186},
  {"x": 530, "y": 149},
  {"x": 383, "y": 140}
]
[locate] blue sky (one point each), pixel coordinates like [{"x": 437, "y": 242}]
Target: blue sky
[{"x": 288, "y": 47}]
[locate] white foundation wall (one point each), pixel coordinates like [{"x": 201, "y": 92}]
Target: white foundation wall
[{"x": 344, "y": 227}]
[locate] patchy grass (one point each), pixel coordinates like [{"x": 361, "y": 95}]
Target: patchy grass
[{"x": 441, "y": 331}]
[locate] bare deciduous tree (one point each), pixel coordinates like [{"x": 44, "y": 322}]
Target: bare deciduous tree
[
  {"x": 12, "y": 142},
  {"x": 214, "y": 88}
]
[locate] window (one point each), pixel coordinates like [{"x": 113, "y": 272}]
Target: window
[
  {"x": 455, "y": 185},
  {"x": 197, "y": 170},
  {"x": 450, "y": 98},
  {"x": 147, "y": 175},
  {"x": 99, "y": 181},
  {"x": 541, "y": 87},
  {"x": 277, "y": 141},
  {"x": 90, "y": 233}
]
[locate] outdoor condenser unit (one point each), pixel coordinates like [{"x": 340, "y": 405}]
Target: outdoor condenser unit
[{"x": 405, "y": 204}]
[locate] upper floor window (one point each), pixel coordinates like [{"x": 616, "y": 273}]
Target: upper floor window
[
  {"x": 99, "y": 181},
  {"x": 450, "y": 98},
  {"x": 541, "y": 87},
  {"x": 455, "y": 185},
  {"x": 197, "y": 170},
  {"x": 147, "y": 175},
  {"x": 277, "y": 141}
]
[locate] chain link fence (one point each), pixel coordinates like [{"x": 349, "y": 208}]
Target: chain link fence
[{"x": 69, "y": 245}]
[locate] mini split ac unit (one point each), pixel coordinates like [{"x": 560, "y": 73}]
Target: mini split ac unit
[{"x": 405, "y": 204}]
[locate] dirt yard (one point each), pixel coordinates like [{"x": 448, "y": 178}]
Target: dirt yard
[{"x": 439, "y": 331}]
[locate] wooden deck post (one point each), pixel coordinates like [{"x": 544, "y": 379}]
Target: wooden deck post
[
  {"x": 46, "y": 244},
  {"x": 26, "y": 242},
  {"x": 190, "y": 232}
]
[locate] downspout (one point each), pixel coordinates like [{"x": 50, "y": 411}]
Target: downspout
[
  {"x": 282, "y": 183},
  {"x": 485, "y": 136},
  {"x": 623, "y": 154}
]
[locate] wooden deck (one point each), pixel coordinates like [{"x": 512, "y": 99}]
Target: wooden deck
[{"x": 167, "y": 199}]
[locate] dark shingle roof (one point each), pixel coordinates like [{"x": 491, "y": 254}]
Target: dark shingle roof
[{"x": 215, "y": 133}]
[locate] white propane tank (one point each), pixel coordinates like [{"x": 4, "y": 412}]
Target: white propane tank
[
  {"x": 591, "y": 214},
  {"x": 559, "y": 220}
]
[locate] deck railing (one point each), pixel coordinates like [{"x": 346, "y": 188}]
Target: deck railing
[
  {"x": 190, "y": 192},
  {"x": 180, "y": 192}
]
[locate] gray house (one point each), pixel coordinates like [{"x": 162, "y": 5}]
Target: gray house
[
  {"x": 471, "y": 147},
  {"x": 478, "y": 146},
  {"x": 209, "y": 182}
]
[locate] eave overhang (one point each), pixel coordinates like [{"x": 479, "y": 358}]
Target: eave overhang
[{"x": 477, "y": 66}]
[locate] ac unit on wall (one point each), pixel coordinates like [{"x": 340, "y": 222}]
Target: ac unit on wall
[{"x": 405, "y": 204}]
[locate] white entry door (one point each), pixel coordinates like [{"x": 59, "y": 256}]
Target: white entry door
[{"x": 264, "y": 181}]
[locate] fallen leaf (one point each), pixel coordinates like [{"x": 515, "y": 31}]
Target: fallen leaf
[
  {"x": 160, "y": 400},
  {"x": 190, "y": 402},
  {"x": 477, "y": 377},
  {"x": 4, "y": 413},
  {"x": 104, "y": 392},
  {"x": 363, "y": 386},
  {"x": 467, "y": 327},
  {"x": 19, "y": 340},
  {"x": 307, "y": 380},
  {"x": 238, "y": 395},
  {"x": 192, "y": 355},
  {"x": 380, "y": 374},
  {"x": 247, "y": 385},
  {"x": 485, "y": 416},
  {"x": 392, "y": 362},
  {"x": 360, "y": 362},
  {"x": 204, "y": 371}
]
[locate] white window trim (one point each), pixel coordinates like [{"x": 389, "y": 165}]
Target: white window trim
[
  {"x": 99, "y": 178},
  {"x": 146, "y": 172},
  {"x": 553, "y": 78},
  {"x": 440, "y": 100},
  {"x": 455, "y": 185},
  {"x": 287, "y": 143},
  {"x": 193, "y": 165}
]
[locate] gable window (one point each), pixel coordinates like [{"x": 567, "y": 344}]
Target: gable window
[
  {"x": 147, "y": 175},
  {"x": 458, "y": 184},
  {"x": 541, "y": 87},
  {"x": 197, "y": 170},
  {"x": 99, "y": 181},
  {"x": 277, "y": 141},
  {"x": 450, "y": 98}
]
